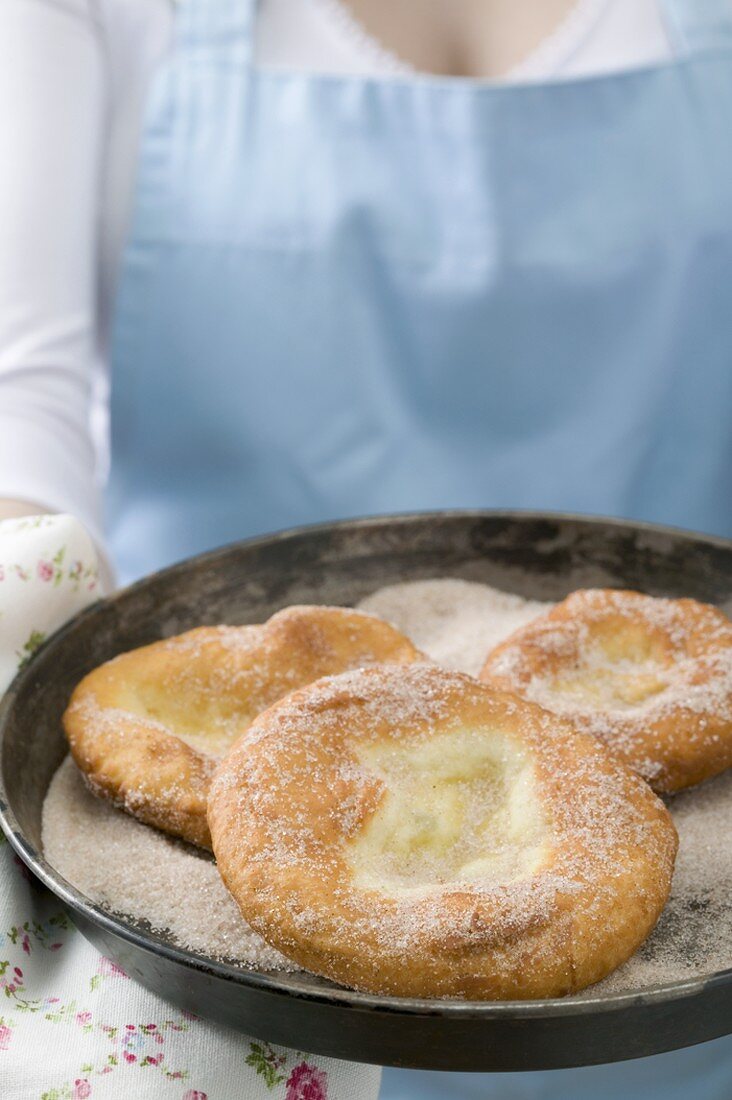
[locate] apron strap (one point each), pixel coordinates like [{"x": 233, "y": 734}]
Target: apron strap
[
  {"x": 697, "y": 25},
  {"x": 221, "y": 29}
]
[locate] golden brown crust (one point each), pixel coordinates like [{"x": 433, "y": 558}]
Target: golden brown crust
[
  {"x": 577, "y": 878},
  {"x": 652, "y": 678},
  {"x": 147, "y": 728}
]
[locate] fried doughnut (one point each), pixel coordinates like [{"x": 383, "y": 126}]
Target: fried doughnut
[
  {"x": 652, "y": 678},
  {"x": 414, "y": 832},
  {"x": 148, "y": 727}
]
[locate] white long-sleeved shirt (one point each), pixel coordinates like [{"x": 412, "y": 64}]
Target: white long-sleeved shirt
[{"x": 73, "y": 80}]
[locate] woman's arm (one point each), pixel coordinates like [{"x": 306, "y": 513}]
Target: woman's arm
[{"x": 52, "y": 104}]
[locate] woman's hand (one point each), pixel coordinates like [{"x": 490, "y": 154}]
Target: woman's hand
[
  {"x": 48, "y": 571},
  {"x": 21, "y": 509}
]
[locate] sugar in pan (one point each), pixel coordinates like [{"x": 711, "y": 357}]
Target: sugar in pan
[{"x": 134, "y": 870}]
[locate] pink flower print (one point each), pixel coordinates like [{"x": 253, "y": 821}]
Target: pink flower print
[
  {"x": 194, "y": 1094},
  {"x": 141, "y": 1044},
  {"x": 15, "y": 984},
  {"x": 82, "y": 1089},
  {"x": 307, "y": 1082},
  {"x": 45, "y": 570},
  {"x": 83, "y": 1018},
  {"x": 131, "y": 1041},
  {"x": 109, "y": 969},
  {"x": 5, "y": 1036}
]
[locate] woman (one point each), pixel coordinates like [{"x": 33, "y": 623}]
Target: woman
[{"x": 382, "y": 257}]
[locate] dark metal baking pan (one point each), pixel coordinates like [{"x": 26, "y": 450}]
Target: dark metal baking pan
[{"x": 540, "y": 556}]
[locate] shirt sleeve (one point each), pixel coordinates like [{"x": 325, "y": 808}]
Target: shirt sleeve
[{"x": 52, "y": 104}]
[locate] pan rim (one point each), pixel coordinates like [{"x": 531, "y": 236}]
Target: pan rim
[{"x": 276, "y": 982}]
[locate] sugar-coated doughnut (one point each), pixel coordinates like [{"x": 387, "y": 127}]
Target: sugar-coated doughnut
[
  {"x": 411, "y": 831},
  {"x": 652, "y": 678},
  {"x": 148, "y": 727}
]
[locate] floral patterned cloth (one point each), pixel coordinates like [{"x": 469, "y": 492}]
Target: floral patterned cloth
[{"x": 72, "y": 1025}]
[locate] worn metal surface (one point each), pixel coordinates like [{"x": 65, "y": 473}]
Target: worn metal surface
[{"x": 543, "y": 557}]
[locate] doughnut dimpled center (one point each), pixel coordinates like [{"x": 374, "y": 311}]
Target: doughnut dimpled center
[
  {"x": 622, "y": 665},
  {"x": 458, "y": 807},
  {"x": 204, "y": 715}
]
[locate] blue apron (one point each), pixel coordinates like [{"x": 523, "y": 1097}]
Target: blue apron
[{"x": 346, "y": 295}]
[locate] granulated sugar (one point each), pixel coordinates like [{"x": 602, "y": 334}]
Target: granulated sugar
[
  {"x": 454, "y": 622},
  {"x": 694, "y": 934},
  {"x": 134, "y": 870}
]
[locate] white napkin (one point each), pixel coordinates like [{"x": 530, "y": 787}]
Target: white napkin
[{"x": 72, "y": 1025}]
